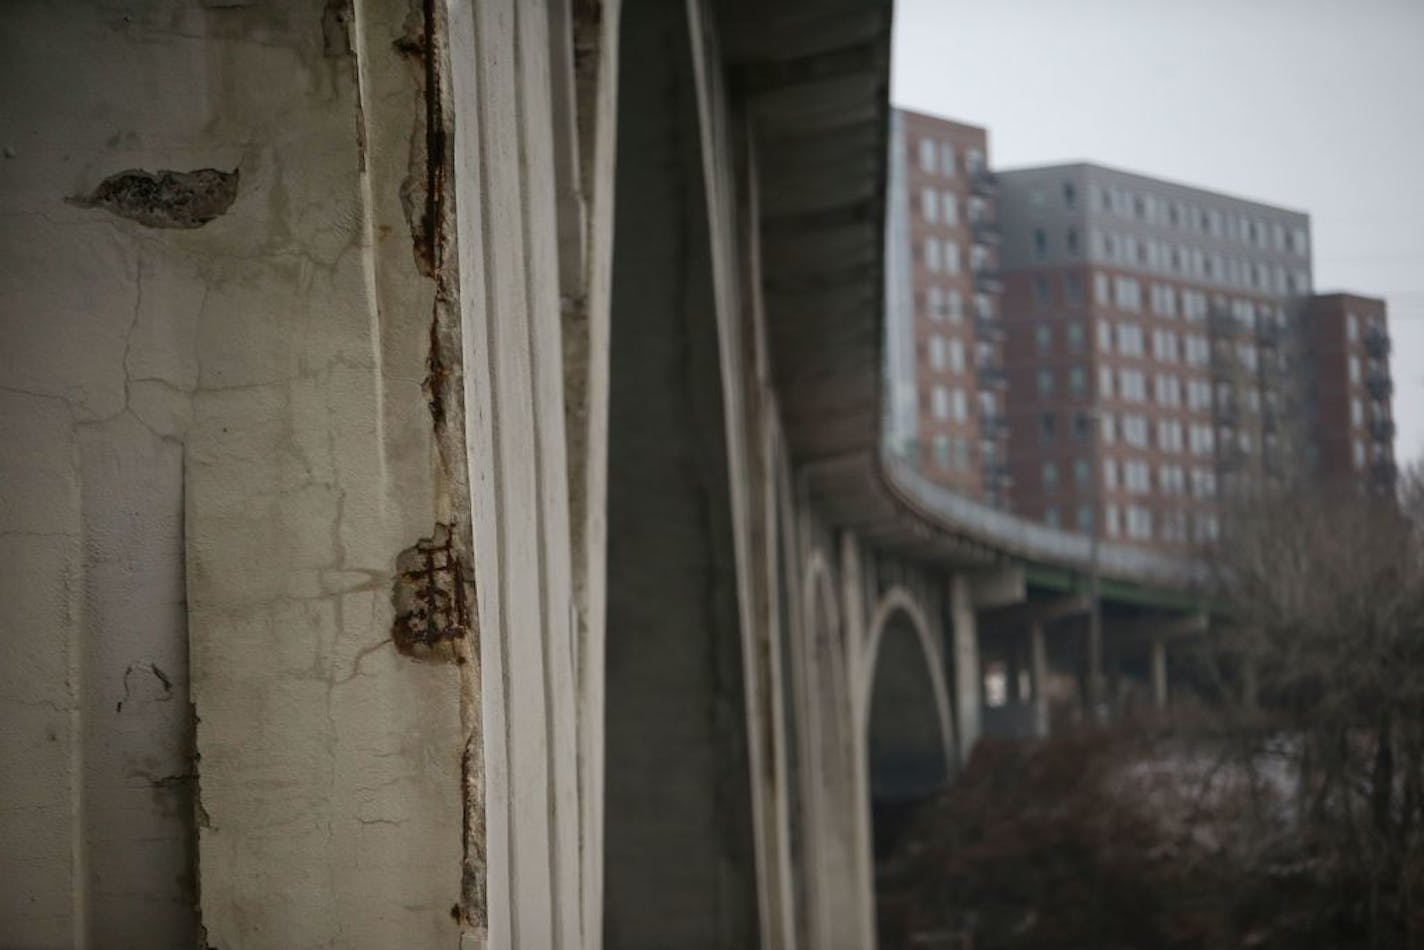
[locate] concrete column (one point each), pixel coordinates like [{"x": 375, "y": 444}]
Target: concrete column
[
  {"x": 1038, "y": 658},
  {"x": 1013, "y": 665},
  {"x": 1159, "y": 674},
  {"x": 966, "y": 665}
]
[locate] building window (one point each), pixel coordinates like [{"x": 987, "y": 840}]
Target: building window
[
  {"x": 983, "y": 306},
  {"x": 1134, "y": 431},
  {"x": 1110, "y": 474},
  {"x": 940, "y": 402},
  {"x": 1073, "y": 288},
  {"x": 1101, "y": 292},
  {"x": 927, "y": 155},
  {"x": 937, "y": 352},
  {"x": 949, "y": 208},
  {"x": 941, "y": 451},
  {"x": 1043, "y": 337},
  {"x": 1075, "y": 337},
  {"x": 934, "y": 299},
  {"x": 929, "y": 205},
  {"x": 1127, "y": 294},
  {"x": 1082, "y": 426},
  {"x": 1045, "y": 384},
  {"x": 955, "y": 305},
  {"x": 961, "y": 406},
  {"x": 1041, "y": 292},
  {"x": 1050, "y": 477},
  {"x": 1137, "y": 478},
  {"x": 1070, "y": 241},
  {"x": 956, "y": 356},
  {"x": 1082, "y": 471},
  {"x": 1085, "y": 518},
  {"x": 1040, "y": 244},
  {"x": 1129, "y": 339},
  {"x": 1110, "y": 520},
  {"x": 951, "y": 257},
  {"x": 946, "y": 159},
  {"x": 1077, "y": 381},
  {"x": 961, "y": 454},
  {"x": 932, "y": 254},
  {"x": 1050, "y": 516},
  {"x": 1105, "y": 336},
  {"x": 1046, "y": 427},
  {"x": 1105, "y": 382}
]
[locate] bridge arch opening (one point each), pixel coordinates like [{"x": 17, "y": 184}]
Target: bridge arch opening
[
  {"x": 679, "y": 859},
  {"x": 908, "y": 740}
]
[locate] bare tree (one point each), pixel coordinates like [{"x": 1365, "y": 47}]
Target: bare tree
[{"x": 1325, "y": 595}]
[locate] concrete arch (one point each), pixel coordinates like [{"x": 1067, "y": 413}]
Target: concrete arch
[{"x": 899, "y": 600}]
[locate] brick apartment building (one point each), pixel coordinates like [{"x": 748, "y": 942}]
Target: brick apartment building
[
  {"x": 1102, "y": 350},
  {"x": 946, "y": 353},
  {"x": 1347, "y": 344}
]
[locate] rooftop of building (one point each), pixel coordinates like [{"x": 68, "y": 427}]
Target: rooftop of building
[
  {"x": 952, "y": 124},
  {"x": 1097, "y": 171},
  {"x": 1347, "y": 297}
]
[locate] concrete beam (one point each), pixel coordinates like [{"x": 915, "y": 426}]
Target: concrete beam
[
  {"x": 1040, "y": 611},
  {"x": 1000, "y": 587},
  {"x": 1165, "y": 628}
]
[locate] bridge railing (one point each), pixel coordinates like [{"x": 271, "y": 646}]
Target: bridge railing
[{"x": 1032, "y": 540}]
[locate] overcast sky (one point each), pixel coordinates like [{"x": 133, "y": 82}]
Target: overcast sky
[{"x": 1314, "y": 105}]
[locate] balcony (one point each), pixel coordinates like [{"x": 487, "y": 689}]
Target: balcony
[
  {"x": 1379, "y": 384},
  {"x": 1382, "y": 430},
  {"x": 1376, "y": 342},
  {"x": 1231, "y": 458},
  {"x": 993, "y": 426},
  {"x": 997, "y": 474},
  {"x": 988, "y": 328},
  {"x": 984, "y": 183},
  {"x": 984, "y": 231},
  {"x": 1383, "y": 471},
  {"x": 1222, "y": 322},
  {"x": 991, "y": 373},
  {"x": 987, "y": 281}
]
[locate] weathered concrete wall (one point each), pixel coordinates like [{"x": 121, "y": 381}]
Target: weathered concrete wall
[{"x": 225, "y": 384}]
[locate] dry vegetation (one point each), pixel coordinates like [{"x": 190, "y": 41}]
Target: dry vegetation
[{"x": 1289, "y": 815}]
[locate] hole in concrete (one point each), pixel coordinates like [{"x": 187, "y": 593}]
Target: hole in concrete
[{"x": 165, "y": 199}]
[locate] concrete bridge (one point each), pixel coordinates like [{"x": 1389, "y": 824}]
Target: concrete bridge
[{"x": 443, "y": 490}]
